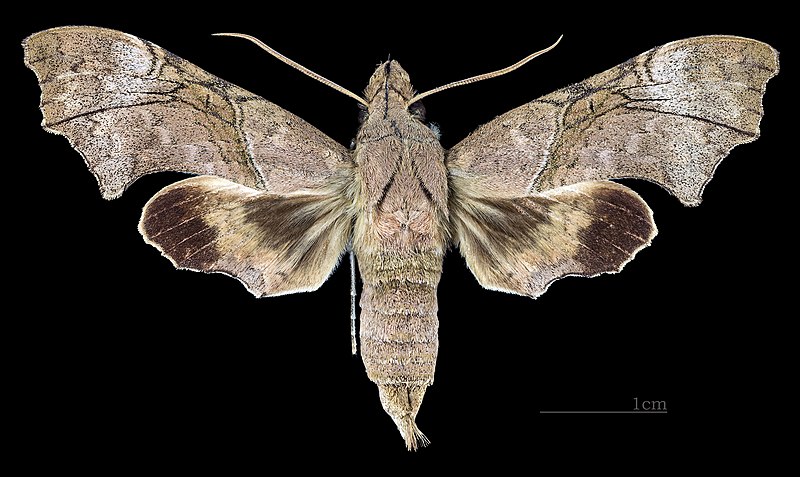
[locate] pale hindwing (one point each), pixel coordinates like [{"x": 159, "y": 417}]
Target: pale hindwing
[
  {"x": 132, "y": 108},
  {"x": 669, "y": 116},
  {"x": 521, "y": 245},
  {"x": 274, "y": 244}
]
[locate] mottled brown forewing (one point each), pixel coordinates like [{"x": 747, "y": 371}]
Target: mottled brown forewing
[
  {"x": 132, "y": 108},
  {"x": 669, "y": 115}
]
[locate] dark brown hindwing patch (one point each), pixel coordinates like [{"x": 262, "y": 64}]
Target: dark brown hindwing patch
[
  {"x": 521, "y": 245},
  {"x": 174, "y": 220},
  {"x": 622, "y": 224}
]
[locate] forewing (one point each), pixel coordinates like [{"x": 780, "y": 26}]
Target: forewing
[
  {"x": 274, "y": 244},
  {"x": 132, "y": 108},
  {"x": 669, "y": 115}
]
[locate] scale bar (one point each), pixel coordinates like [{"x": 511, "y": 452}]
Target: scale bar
[{"x": 602, "y": 412}]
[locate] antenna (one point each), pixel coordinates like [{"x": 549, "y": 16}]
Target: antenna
[
  {"x": 297, "y": 66},
  {"x": 493, "y": 74}
]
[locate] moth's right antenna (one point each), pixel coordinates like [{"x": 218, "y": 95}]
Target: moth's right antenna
[
  {"x": 297, "y": 66},
  {"x": 484, "y": 76}
]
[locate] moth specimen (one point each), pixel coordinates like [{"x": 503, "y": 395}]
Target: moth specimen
[{"x": 275, "y": 203}]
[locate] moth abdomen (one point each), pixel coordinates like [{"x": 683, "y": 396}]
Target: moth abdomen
[
  {"x": 399, "y": 331},
  {"x": 399, "y": 315}
]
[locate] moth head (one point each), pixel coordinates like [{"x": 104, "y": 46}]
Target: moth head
[{"x": 388, "y": 88}]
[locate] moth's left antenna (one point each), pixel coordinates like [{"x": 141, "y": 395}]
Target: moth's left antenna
[{"x": 297, "y": 66}]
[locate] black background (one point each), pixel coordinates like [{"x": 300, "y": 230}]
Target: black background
[{"x": 120, "y": 361}]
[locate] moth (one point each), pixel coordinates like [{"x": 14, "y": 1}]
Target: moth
[{"x": 527, "y": 198}]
